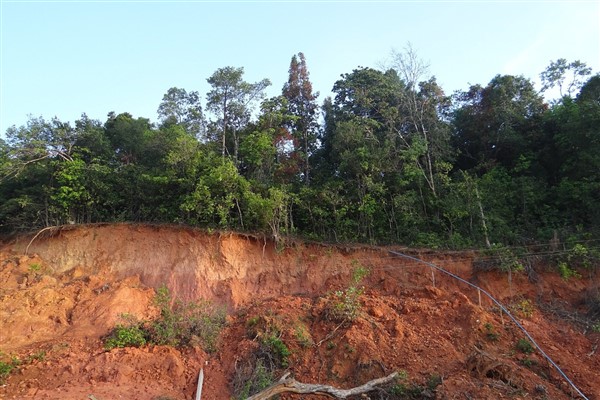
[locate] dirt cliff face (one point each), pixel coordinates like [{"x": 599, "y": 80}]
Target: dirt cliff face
[{"x": 63, "y": 291}]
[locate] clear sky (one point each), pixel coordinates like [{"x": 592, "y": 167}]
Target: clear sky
[{"x": 63, "y": 58}]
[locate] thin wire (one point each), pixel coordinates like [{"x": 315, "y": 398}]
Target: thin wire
[{"x": 502, "y": 308}]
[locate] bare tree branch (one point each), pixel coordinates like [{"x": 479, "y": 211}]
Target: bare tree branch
[{"x": 286, "y": 384}]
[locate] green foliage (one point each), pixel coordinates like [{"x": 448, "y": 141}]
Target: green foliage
[
  {"x": 125, "y": 336},
  {"x": 257, "y": 372},
  {"x": 407, "y": 390},
  {"x": 5, "y": 369},
  {"x": 525, "y": 308},
  {"x": 344, "y": 305},
  {"x": 566, "y": 272},
  {"x": 395, "y": 161},
  {"x": 267, "y": 330},
  {"x": 528, "y": 362},
  {"x": 303, "y": 335},
  {"x": 37, "y": 356},
  {"x": 7, "y": 366},
  {"x": 181, "y": 324},
  {"x": 35, "y": 267},
  {"x": 434, "y": 381},
  {"x": 490, "y": 332},
  {"x": 524, "y": 346},
  {"x": 279, "y": 352},
  {"x": 259, "y": 379}
]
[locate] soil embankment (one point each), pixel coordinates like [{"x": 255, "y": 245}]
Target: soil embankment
[{"x": 65, "y": 290}]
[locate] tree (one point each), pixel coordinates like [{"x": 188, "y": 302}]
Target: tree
[
  {"x": 266, "y": 152},
  {"x": 495, "y": 124},
  {"x": 184, "y": 109},
  {"x": 557, "y": 73},
  {"x": 127, "y": 135},
  {"x": 422, "y": 107},
  {"x": 302, "y": 104},
  {"x": 231, "y": 101},
  {"x": 590, "y": 92},
  {"x": 39, "y": 140}
]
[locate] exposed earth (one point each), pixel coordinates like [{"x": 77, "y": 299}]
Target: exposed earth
[{"x": 64, "y": 290}]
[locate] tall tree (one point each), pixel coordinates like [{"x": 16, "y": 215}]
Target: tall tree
[
  {"x": 302, "y": 104},
  {"x": 231, "y": 100},
  {"x": 493, "y": 124},
  {"x": 563, "y": 74},
  {"x": 422, "y": 107},
  {"x": 184, "y": 109},
  {"x": 127, "y": 135}
]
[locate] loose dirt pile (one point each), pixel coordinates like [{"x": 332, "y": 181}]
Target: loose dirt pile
[{"x": 63, "y": 292}]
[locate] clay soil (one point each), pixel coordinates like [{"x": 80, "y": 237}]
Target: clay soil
[{"x": 63, "y": 292}]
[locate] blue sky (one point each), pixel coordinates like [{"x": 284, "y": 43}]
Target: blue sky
[{"x": 63, "y": 58}]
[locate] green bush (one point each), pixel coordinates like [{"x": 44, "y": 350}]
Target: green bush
[
  {"x": 567, "y": 272},
  {"x": 185, "y": 323},
  {"x": 303, "y": 335},
  {"x": 277, "y": 350},
  {"x": 344, "y": 305},
  {"x": 180, "y": 325},
  {"x": 126, "y": 336},
  {"x": 7, "y": 367},
  {"x": 491, "y": 333},
  {"x": 259, "y": 379},
  {"x": 524, "y": 346}
]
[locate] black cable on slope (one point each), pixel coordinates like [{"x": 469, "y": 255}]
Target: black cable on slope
[{"x": 502, "y": 308}]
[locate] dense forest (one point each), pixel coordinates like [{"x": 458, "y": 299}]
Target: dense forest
[{"x": 390, "y": 158}]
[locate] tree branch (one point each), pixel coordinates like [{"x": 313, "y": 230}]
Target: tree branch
[{"x": 286, "y": 384}]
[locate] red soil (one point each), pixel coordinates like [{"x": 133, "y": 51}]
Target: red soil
[{"x": 64, "y": 291}]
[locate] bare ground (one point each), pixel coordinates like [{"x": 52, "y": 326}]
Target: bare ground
[{"x": 61, "y": 293}]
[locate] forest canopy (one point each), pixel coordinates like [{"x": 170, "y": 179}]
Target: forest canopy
[{"x": 390, "y": 158}]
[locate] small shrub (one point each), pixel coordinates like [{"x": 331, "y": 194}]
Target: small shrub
[
  {"x": 35, "y": 267},
  {"x": 398, "y": 389},
  {"x": 252, "y": 321},
  {"x": 260, "y": 378},
  {"x": 184, "y": 323},
  {"x": 126, "y": 336},
  {"x": 524, "y": 307},
  {"x": 596, "y": 327},
  {"x": 276, "y": 349},
  {"x": 500, "y": 257},
  {"x": 491, "y": 333},
  {"x": 402, "y": 374},
  {"x": 567, "y": 272},
  {"x": 303, "y": 335},
  {"x": 39, "y": 356},
  {"x": 524, "y": 346},
  {"x": 408, "y": 391},
  {"x": 528, "y": 362},
  {"x": 267, "y": 331},
  {"x": 344, "y": 305},
  {"x": 181, "y": 325},
  {"x": 434, "y": 381},
  {"x": 7, "y": 367}
]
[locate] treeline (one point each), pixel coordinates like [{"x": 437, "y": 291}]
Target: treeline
[{"x": 390, "y": 159}]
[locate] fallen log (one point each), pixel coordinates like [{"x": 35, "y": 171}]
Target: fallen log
[{"x": 286, "y": 384}]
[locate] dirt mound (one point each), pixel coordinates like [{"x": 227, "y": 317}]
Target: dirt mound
[{"x": 61, "y": 293}]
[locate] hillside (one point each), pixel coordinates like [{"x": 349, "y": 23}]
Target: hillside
[{"x": 63, "y": 292}]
